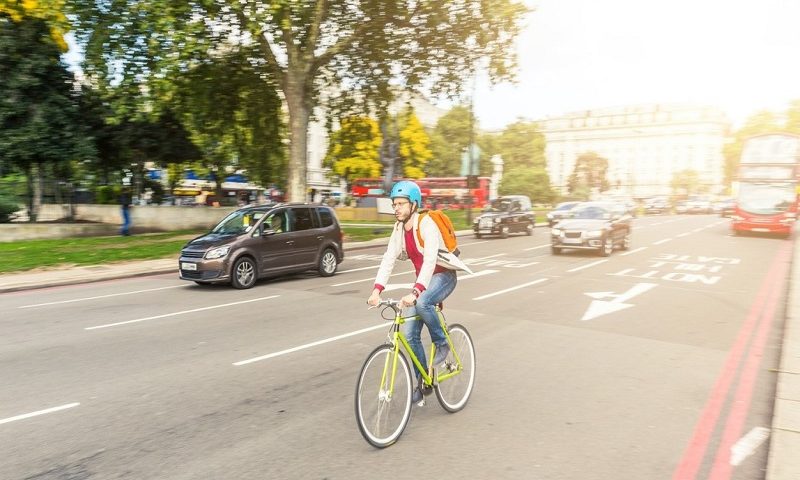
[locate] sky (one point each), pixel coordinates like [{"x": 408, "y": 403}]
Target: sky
[{"x": 741, "y": 56}]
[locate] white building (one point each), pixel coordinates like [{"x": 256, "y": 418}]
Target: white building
[
  {"x": 317, "y": 178},
  {"x": 644, "y": 144}
]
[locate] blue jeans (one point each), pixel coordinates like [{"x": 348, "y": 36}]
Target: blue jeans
[
  {"x": 126, "y": 222},
  {"x": 441, "y": 286}
]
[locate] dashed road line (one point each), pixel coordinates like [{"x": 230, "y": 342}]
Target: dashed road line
[{"x": 38, "y": 412}]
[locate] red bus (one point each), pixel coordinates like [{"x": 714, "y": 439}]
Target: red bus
[
  {"x": 766, "y": 200},
  {"x": 444, "y": 192},
  {"x": 367, "y": 187},
  {"x": 452, "y": 192}
]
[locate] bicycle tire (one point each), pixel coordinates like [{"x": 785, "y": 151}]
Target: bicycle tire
[
  {"x": 382, "y": 419},
  {"x": 453, "y": 393}
]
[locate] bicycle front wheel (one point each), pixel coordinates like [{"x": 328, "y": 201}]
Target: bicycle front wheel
[
  {"x": 453, "y": 392},
  {"x": 383, "y": 409}
]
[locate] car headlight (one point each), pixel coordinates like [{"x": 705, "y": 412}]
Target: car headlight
[
  {"x": 594, "y": 233},
  {"x": 550, "y": 216},
  {"x": 496, "y": 220},
  {"x": 555, "y": 231},
  {"x": 218, "y": 252}
]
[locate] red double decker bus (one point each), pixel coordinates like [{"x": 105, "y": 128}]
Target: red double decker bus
[
  {"x": 367, "y": 187},
  {"x": 766, "y": 199},
  {"x": 454, "y": 192},
  {"x": 437, "y": 192}
]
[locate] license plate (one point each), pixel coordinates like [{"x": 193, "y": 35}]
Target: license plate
[
  {"x": 188, "y": 266},
  {"x": 485, "y": 230},
  {"x": 571, "y": 241},
  {"x": 764, "y": 230}
]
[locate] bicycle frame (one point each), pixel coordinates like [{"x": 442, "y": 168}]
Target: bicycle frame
[{"x": 397, "y": 339}]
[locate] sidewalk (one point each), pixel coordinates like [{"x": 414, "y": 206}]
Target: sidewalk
[{"x": 784, "y": 455}]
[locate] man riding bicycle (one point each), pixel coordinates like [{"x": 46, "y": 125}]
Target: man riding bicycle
[{"x": 435, "y": 270}]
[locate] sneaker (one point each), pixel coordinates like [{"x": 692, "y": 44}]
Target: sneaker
[
  {"x": 441, "y": 354},
  {"x": 416, "y": 397}
]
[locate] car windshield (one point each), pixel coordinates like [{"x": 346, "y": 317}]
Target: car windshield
[
  {"x": 499, "y": 205},
  {"x": 590, "y": 212},
  {"x": 237, "y": 223},
  {"x": 565, "y": 206},
  {"x": 766, "y": 198}
]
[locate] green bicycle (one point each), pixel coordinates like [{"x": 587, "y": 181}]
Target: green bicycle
[{"x": 385, "y": 384}]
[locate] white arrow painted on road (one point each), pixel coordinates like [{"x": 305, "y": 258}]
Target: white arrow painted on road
[{"x": 600, "y": 307}]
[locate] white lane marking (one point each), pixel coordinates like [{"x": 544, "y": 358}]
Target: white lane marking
[
  {"x": 359, "y": 269},
  {"x": 309, "y": 345},
  {"x": 180, "y": 313},
  {"x": 684, "y": 234},
  {"x": 100, "y": 296},
  {"x": 477, "y": 274},
  {"x": 475, "y": 243},
  {"x": 510, "y": 289},
  {"x": 534, "y": 248},
  {"x": 748, "y": 444},
  {"x": 588, "y": 265},
  {"x": 662, "y": 241},
  {"x": 370, "y": 279},
  {"x": 630, "y": 252},
  {"x": 39, "y": 412},
  {"x": 491, "y": 256}
]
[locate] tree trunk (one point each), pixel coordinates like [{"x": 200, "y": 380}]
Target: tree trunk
[{"x": 299, "y": 114}]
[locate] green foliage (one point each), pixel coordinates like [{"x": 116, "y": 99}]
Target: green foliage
[
  {"x": 107, "y": 194},
  {"x": 589, "y": 175},
  {"x": 449, "y": 139},
  {"x": 521, "y": 144},
  {"x": 8, "y": 205},
  {"x": 414, "y": 146},
  {"x": 533, "y": 182},
  {"x": 304, "y": 47},
  {"x": 353, "y": 150},
  {"x": 686, "y": 182}
]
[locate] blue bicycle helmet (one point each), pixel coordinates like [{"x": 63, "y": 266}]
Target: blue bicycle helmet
[{"x": 407, "y": 189}]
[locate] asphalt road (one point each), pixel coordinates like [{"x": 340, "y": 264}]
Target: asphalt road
[{"x": 652, "y": 363}]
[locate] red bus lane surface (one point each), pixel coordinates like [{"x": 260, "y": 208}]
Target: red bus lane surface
[{"x": 746, "y": 352}]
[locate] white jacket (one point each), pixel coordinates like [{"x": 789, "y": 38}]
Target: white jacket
[{"x": 434, "y": 253}]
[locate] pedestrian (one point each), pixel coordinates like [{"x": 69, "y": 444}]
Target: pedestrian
[{"x": 125, "y": 205}]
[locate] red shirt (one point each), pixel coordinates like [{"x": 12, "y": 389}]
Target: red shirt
[{"x": 416, "y": 256}]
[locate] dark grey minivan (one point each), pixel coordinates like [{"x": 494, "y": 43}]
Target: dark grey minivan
[{"x": 266, "y": 240}]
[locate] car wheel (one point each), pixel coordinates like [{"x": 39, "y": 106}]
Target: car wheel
[
  {"x": 555, "y": 250},
  {"x": 477, "y": 235},
  {"x": 244, "y": 273},
  {"x": 504, "y": 231},
  {"x": 327, "y": 263},
  {"x": 626, "y": 241},
  {"x": 529, "y": 229},
  {"x": 607, "y": 247}
]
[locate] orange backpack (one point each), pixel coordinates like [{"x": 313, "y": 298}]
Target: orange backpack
[{"x": 445, "y": 226}]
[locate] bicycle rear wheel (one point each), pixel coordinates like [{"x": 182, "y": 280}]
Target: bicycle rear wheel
[
  {"x": 383, "y": 414},
  {"x": 453, "y": 393}
]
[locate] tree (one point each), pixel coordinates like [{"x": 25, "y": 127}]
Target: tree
[
  {"x": 533, "y": 182},
  {"x": 414, "y": 145},
  {"x": 233, "y": 117},
  {"x": 686, "y": 182},
  {"x": 521, "y": 144},
  {"x": 354, "y": 51},
  {"x": 449, "y": 140},
  {"x": 353, "y": 150},
  {"x": 39, "y": 122},
  {"x": 589, "y": 176}
]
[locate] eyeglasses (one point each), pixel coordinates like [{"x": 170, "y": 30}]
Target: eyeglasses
[{"x": 399, "y": 204}]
